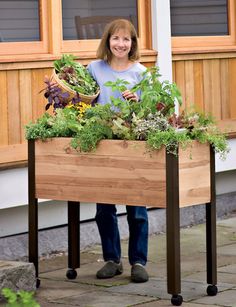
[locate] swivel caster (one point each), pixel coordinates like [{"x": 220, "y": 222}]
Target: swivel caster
[
  {"x": 177, "y": 300},
  {"x": 71, "y": 274},
  {"x": 37, "y": 283},
  {"x": 212, "y": 290}
]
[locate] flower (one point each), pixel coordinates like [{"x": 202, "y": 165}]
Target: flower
[{"x": 80, "y": 107}]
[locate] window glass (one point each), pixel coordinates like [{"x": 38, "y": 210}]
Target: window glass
[
  {"x": 199, "y": 17},
  {"x": 86, "y": 19},
  {"x": 19, "y": 21}
]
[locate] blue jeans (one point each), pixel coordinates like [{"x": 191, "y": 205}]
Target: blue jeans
[{"x": 107, "y": 223}]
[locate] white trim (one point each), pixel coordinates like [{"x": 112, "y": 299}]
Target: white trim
[{"x": 161, "y": 36}]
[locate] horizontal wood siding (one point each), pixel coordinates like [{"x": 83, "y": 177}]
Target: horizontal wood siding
[{"x": 208, "y": 85}]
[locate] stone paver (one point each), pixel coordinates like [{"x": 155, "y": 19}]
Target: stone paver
[
  {"x": 87, "y": 291},
  {"x": 225, "y": 299}
]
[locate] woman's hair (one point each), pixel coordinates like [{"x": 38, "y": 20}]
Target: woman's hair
[{"x": 104, "y": 51}]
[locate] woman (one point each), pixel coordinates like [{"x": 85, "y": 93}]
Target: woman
[{"x": 118, "y": 54}]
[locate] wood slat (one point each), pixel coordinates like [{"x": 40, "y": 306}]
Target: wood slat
[
  {"x": 180, "y": 80},
  {"x": 38, "y": 100},
  {"x": 25, "y": 100},
  {"x": 198, "y": 84},
  {"x": 13, "y": 94},
  {"x": 3, "y": 109},
  {"x": 225, "y": 98},
  {"x": 189, "y": 85},
  {"x": 211, "y": 81},
  {"x": 232, "y": 88}
]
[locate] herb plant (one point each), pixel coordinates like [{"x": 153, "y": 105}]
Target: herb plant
[
  {"x": 19, "y": 299},
  {"x": 152, "y": 119},
  {"x": 75, "y": 75}
]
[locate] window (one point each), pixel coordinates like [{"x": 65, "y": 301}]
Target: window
[
  {"x": 19, "y": 21},
  {"x": 202, "y": 25},
  {"x": 199, "y": 17},
  {"x": 43, "y": 29},
  {"x": 23, "y": 27},
  {"x": 77, "y": 41},
  {"x": 87, "y": 19}
]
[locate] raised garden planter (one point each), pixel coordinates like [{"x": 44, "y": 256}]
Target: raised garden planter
[{"x": 125, "y": 172}]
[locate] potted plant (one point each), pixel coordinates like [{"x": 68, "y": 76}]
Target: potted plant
[
  {"x": 73, "y": 78},
  {"x": 152, "y": 119},
  {"x": 126, "y": 153}
]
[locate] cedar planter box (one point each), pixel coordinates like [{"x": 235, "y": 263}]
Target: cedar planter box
[
  {"x": 124, "y": 172},
  {"x": 119, "y": 172}
]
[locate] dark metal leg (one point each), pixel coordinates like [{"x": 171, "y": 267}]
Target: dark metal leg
[
  {"x": 32, "y": 211},
  {"x": 73, "y": 238},
  {"x": 211, "y": 233},
  {"x": 173, "y": 229}
]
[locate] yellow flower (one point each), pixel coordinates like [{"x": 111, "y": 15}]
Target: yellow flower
[{"x": 80, "y": 106}]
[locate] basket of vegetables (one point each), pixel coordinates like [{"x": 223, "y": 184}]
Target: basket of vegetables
[{"x": 72, "y": 77}]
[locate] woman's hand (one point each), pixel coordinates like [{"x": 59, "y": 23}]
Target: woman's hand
[{"x": 128, "y": 95}]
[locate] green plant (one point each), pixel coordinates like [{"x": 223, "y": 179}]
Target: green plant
[
  {"x": 20, "y": 298},
  {"x": 151, "y": 119},
  {"x": 75, "y": 75}
]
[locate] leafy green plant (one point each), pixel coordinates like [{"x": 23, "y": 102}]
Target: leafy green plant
[
  {"x": 75, "y": 75},
  {"x": 20, "y": 298},
  {"x": 151, "y": 119}
]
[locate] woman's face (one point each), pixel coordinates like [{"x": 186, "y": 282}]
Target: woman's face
[{"x": 120, "y": 44}]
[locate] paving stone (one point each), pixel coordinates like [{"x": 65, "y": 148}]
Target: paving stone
[
  {"x": 225, "y": 299},
  {"x": 158, "y": 288},
  {"x": 87, "y": 291},
  {"x": 228, "y": 269},
  {"x": 54, "y": 290},
  {"x": 228, "y": 278},
  {"x": 102, "y": 299},
  {"x": 227, "y": 222},
  {"x": 165, "y": 303},
  {"x": 227, "y": 250}
]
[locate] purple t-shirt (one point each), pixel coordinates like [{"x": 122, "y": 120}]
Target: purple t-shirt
[{"x": 102, "y": 72}]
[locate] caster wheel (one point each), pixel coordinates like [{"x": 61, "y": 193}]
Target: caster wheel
[
  {"x": 37, "y": 283},
  {"x": 177, "y": 300},
  {"x": 212, "y": 290},
  {"x": 71, "y": 274}
]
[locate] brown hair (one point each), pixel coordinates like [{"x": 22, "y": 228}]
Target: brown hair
[{"x": 104, "y": 51}]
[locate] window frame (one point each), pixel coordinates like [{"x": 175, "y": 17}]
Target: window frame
[
  {"x": 191, "y": 44},
  {"x": 34, "y": 47},
  {"x": 87, "y": 47}
]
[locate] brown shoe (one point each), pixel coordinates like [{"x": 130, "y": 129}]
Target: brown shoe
[
  {"x": 138, "y": 273},
  {"x": 109, "y": 270}
]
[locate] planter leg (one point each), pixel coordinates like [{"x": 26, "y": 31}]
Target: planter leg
[
  {"x": 32, "y": 211},
  {"x": 173, "y": 229},
  {"x": 73, "y": 239},
  {"x": 211, "y": 233}
]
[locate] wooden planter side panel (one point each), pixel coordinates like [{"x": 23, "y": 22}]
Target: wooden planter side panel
[
  {"x": 194, "y": 175},
  {"x": 118, "y": 172}
]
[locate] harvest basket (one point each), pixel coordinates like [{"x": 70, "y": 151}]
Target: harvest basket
[{"x": 85, "y": 98}]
